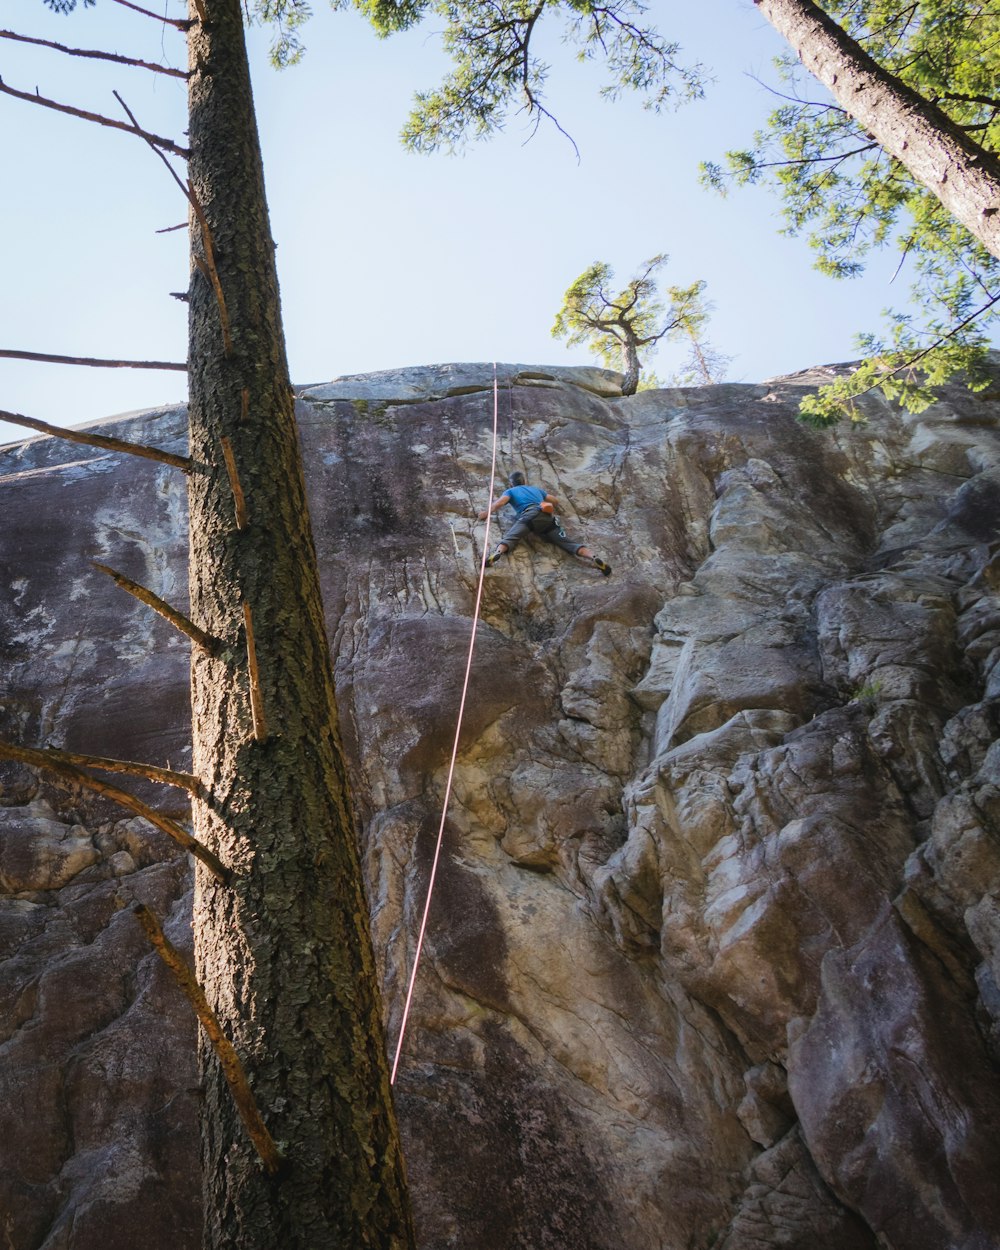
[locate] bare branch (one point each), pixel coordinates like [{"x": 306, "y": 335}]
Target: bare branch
[
  {"x": 209, "y": 265},
  {"x": 818, "y": 160},
  {"x": 91, "y": 361},
  {"x": 819, "y": 106},
  {"x": 234, "y": 480},
  {"x": 206, "y": 265},
  {"x": 990, "y": 101},
  {"x": 179, "y": 23},
  {"x": 101, "y": 56},
  {"x": 168, "y": 145},
  {"x": 99, "y": 440},
  {"x": 956, "y": 329},
  {"x": 232, "y": 1068},
  {"x": 43, "y": 759},
  {"x": 541, "y": 112},
  {"x": 177, "y": 619},
  {"x": 256, "y": 697},
  {"x": 165, "y": 776},
  {"x": 139, "y": 131}
]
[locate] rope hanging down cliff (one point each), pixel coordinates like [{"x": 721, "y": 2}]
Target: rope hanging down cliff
[{"x": 454, "y": 749}]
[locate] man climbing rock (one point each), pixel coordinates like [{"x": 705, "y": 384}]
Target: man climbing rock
[{"x": 534, "y": 513}]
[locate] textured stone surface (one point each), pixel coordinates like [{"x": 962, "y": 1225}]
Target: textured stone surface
[{"x": 714, "y": 954}]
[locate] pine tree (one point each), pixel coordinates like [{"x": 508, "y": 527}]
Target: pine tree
[{"x": 282, "y": 943}]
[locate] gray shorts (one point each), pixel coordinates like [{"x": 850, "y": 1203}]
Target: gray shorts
[{"x": 555, "y": 534}]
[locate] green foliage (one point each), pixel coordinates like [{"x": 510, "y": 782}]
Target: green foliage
[
  {"x": 386, "y": 16},
  {"x": 903, "y": 375},
  {"x": 591, "y": 315},
  {"x": 67, "y": 6},
  {"x": 496, "y": 71},
  {"x": 868, "y": 692},
  {"x": 285, "y": 16},
  {"x": 850, "y": 197},
  {"x": 615, "y": 326}
]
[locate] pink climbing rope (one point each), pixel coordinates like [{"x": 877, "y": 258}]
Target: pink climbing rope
[{"x": 454, "y": 749}]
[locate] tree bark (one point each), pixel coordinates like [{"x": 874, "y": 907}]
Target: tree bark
[
  {"x": 963, "y": 175},
  {"x": 284, "y": 953},
  {"x": 630, "y": 361}
]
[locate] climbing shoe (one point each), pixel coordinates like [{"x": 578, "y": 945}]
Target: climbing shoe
[
  {"x": 603, "y": 566},
  {"x": 494, "y": 558}
]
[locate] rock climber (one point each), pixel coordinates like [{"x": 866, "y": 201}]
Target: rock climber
[{"x": 534, "y": 513}]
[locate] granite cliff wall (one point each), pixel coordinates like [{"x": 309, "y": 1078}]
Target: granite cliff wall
[{"x": 715, "y": 948}]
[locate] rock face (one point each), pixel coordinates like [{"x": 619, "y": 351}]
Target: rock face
[{"x": 713, "y": 958}]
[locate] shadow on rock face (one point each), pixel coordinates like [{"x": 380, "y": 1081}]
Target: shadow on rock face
[
  {"x": 465, "y": 936},
  {"x": 529, "y": 1183},
  {"x": 890, "y": 1058},
  {"x": 407, "y": 695},
  {"x": 976, "y": 507}
]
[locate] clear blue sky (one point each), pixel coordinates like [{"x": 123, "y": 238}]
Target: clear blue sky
[{"x": 389, "y": 259}]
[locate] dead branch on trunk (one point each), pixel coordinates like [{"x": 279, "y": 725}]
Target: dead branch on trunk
[
  {"x": 179, "y": 23},
  {"x": 168, "y": 145},
  {"x": 207, "y": 263},
  {"x": 256, "y": 696},
  {"x": 208, "y": 266},
  {"x": 100, "y": 440},
  {"x": 177, "y": 619},
  {"x": 44, "y": 760},
  {"x": 135, "y": 768},
  {"x": 94, "y": 361},
  {"x": 229, "y": 1060},
  {"x": 101, "y": 56},
  {"x": 234, "y": 480}
]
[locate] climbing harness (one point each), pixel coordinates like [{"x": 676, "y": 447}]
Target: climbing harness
[
  {"x": 454, "y": 749},
  {"x": 540, "y": 517}
]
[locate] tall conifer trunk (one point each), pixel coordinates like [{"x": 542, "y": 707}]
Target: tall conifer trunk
[
  {"x": 284, "y": 952},
  {"x": 964, "y": 176}
]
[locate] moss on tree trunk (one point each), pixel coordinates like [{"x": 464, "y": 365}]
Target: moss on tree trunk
[{"x": 284, "y": 953}]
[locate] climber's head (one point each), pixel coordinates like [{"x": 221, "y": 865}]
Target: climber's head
[{"x": 517, "y": 478}]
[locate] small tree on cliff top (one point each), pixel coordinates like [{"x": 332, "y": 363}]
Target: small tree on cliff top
[{"x": 618, "y": 326}]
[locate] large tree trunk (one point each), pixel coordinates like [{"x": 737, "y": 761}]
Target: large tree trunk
[
  {"x": 963, "y": 175},
  {"x": 284, "y": 953}
]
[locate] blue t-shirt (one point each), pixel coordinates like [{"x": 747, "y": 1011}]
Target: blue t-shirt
[{"x": 524, "y": 497}]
